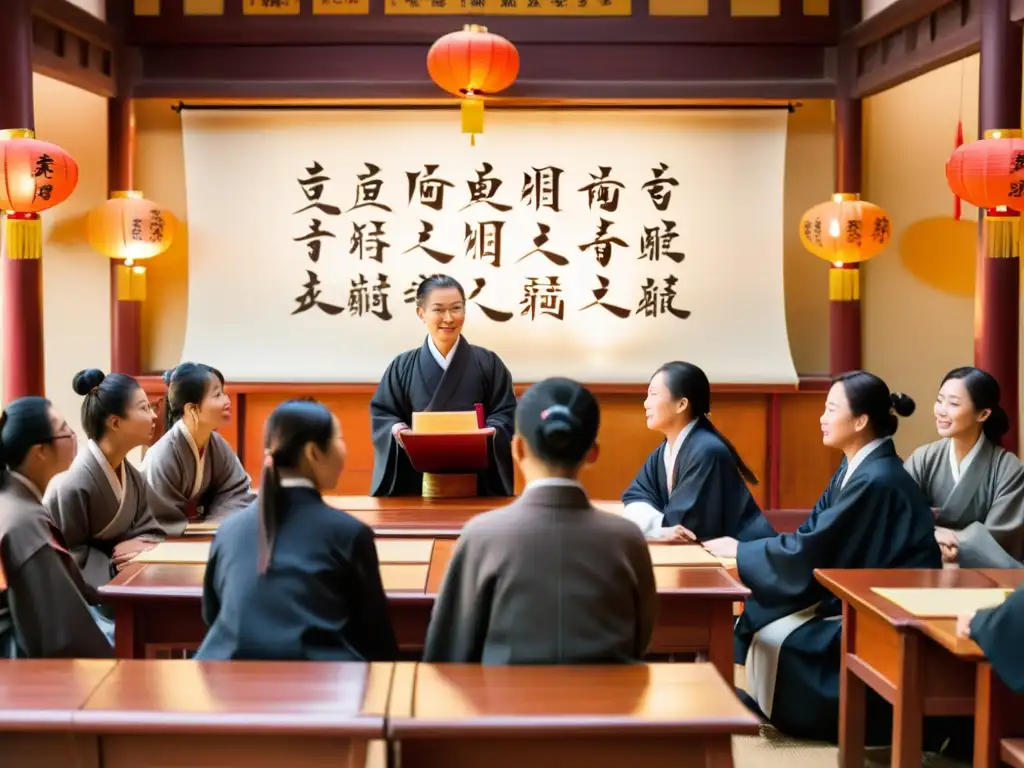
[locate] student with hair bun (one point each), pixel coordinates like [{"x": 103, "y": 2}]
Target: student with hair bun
[
  {"x": 548, "y": 579},
  {"x": 192, "y": 472},
  {"x": 291, "y": 577},
  {"x": 100, "y": 503},
  {"x": 44, "y": 603},
  {"x": 871, "y": 515},
  {"x": 976, "y": 486}
]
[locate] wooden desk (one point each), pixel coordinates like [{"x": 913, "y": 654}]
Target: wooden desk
[
  {"x": 917, "y": 665},
  {"x": 38, "y": 701},
  {"x": 1013, "y": 752},
  {"x": 158, "y": 606},
  {"x": 242, "y": 714},
  {"x": 656, "y": 715}
]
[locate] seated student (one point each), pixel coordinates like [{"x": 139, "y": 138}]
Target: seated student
[
  {"x": 548, "y": 579},
  {"x": 192, "y": 472},
  {"x": 44, "y": 610},
  {"x": 871, "y": 515},
  {"x": 291, "y": 577},
  {"x": 100, "y": 503},
  {"x": 692, "y": 485},
  {"x": 977, "y": 487},
  {"x": 1000, "y": 633}
]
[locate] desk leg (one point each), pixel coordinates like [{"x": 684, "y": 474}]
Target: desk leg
[
  {"x": 124, "y": 631},
  {"x": 908, "y": 709},
  {"x": 997, "y": 716},
  {"x": 720, "y": 652},
  {"x": 852, "y": 701}
]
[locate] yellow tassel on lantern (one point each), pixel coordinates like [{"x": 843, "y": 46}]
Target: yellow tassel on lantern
[
  {"x": 131, "y": 283},
  {"x": 1000, "y": 234},
  {"x": 23, "y": 235},
  {"x": 472, "y": 117}
]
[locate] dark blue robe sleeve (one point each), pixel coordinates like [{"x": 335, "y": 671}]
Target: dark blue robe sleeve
[
  {"x": 372, "y": 633},
  {"x": 500, "y": 412},
  {"x": 211, "y": 601},
  {"x": 387, "y": 408},
  {"x": 1000, "y": 633},
  {"x": 753, "y": 525},
  {"x": 644, "y": 487}
]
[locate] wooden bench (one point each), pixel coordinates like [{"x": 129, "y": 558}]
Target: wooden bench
[{"x": 1012, "y": 752}]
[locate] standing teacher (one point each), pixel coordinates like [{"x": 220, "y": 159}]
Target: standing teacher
[{"x": 446, "y": 373}]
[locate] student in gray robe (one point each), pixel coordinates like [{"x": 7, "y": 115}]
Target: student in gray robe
[
  {"x": 548, "y": 579},
  {"x": 446, "y": 373},
  {"x": 44, "y": 602},
  {"x": 872, "y": 515},
  {"x": 191, "y": 472},
  {"x": 976, "y": 486},
  {"x": 100, "y": 503},
  {"x": 291, "y": 577},
  {"x": 693, "y": 485}
]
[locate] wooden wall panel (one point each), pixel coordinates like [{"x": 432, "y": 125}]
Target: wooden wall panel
[{"x": 806, "y": 465}]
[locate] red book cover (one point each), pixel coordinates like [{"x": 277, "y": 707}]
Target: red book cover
[{"x": 452, "y": 452}]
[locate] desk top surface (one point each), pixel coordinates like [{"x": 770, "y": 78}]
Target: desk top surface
[
  {"x": 36, "y": 694},
  {"x": 454, "y": 700}
]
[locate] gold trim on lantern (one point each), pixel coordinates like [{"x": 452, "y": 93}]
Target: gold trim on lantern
[
  {"x": 845, "y": 197},
  {"x": 473, "y": 28},
  {"x": 17, "y": 133},
  {"x": 843, "y": 284},
  {"x": 128, "y": 194},
  {"x": 1000, "y": 235},
  {"x": 1003, "y": 133},
  {"x": 23, "y": 237},
  {"x": 131, "y": 283}
]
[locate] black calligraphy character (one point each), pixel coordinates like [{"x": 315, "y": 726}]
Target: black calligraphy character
[
  {"x": 660, "y": 187},
  {"x": 492, "y": 314},
  {"x": 1016, "y": 162},
  {"x": 652, "y": 304},
  {"x": 424, "y": 237},
  {"x": 44, "y": 191},
  {"x": 603, "y": 190},
  {"x": 313, "y": 237},
  {"x": 368, "y": 189},
  {"x": 310, "y": 298},
  {"x": 657, "y": 242},
  {"x": 379, "y": 297},
  {"x": 1016, "y": 188},
  {"x": 484, "y": 189},
  {"x": 409, "y": 295},
  {"x": 364, "y": 298},
  {"x": 43, "y": 167},
  {"x": 539, "y": 242},
  {"x": 273, "y": 3},
  {"x": 313, "y": 189},
  {"x": 156, "y": 225},
  {"x": 483, "y": 241},
  {"x": 136, "y": 229},
  {"x": 430, "y": 188},
  {"x": 370, "y": 244},
  {"x": 816, "y": 232},
  {"x": 603, "y": 243},
  {"x": 599, "y": 293},
  {"x": 545, "y": 297},
  {"x": 541, "y": 189},
  {"x": 359, "y": 297},
  {"x": 853, "y": 232},
  {"x": 880, "y": 232}
]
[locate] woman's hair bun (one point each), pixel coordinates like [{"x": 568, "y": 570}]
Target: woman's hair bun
[
  {"x": 87, "y": 380},
  {"x": 557, "y": 426},
  {"x": 167, "y": 376},
  {"x": 903, "y": 404}
]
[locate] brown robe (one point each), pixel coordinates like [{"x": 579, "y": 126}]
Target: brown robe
[
  {"x": 548, "y": 579},
  {"x": 44, "y": 602}
]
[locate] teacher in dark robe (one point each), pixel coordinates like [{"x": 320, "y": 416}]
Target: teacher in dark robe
[{"x": 446, "y": 373}]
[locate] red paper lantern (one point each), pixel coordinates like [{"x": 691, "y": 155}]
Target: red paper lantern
[
  {"x": 989, "y": 173},
  {"x": 473, "y": 63},
  {"x": 34, "y": 176}
]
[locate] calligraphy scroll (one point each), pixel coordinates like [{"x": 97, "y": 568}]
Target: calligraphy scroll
[{"x": 593, "y": 244}]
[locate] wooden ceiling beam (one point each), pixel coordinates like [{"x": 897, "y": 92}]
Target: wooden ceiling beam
[{"x": 72, "y": 46}]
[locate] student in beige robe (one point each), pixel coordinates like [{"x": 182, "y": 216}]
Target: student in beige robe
[
  {"x": 976, "y": 486},
  {"x": 100, "y": 503},
  {"x": 192, "y": 473},
  {"x": 44, "y": 603},
  {"x": 548, "y": 579}
]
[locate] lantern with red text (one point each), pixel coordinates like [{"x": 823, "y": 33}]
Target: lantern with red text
[
  {"x": 129, "y": 227},
  {"x": 989, "y": 173},
  {"x": 845, "y": 230},
  {"x": 34, "y": 176},
  {"x": 473, "y": 64}
]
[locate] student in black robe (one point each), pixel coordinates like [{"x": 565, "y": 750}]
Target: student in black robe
[
  {"x": 871, "y": 515},
  {"x": 693, "y": 485},
  {"x": 291, "y": 577},
  {"x": 446, "y": 373},
  {"x": 45, "y": 607},
  {"x": 1000, "y": 633},
  {"x": 548, "y": 579}
]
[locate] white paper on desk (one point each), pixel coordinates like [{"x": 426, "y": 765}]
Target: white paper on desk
[
  {"x": 177, "y": 552},
  {"x": 941, "y": 603}
]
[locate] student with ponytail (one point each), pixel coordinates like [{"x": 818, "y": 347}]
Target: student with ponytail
[
  {"x": 976, "y": 486},
  {"x": 44, "y": 603},
  {"x": 693, "y": 485},
  {"x": 548, "y": 579},
  {"x": 291, "y": 577}
]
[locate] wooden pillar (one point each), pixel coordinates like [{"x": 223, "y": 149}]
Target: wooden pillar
[
  {"x": 997, "y": 292},
  {"x": 23, "y": 278},
  {"x": 844, "y": 332}
]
